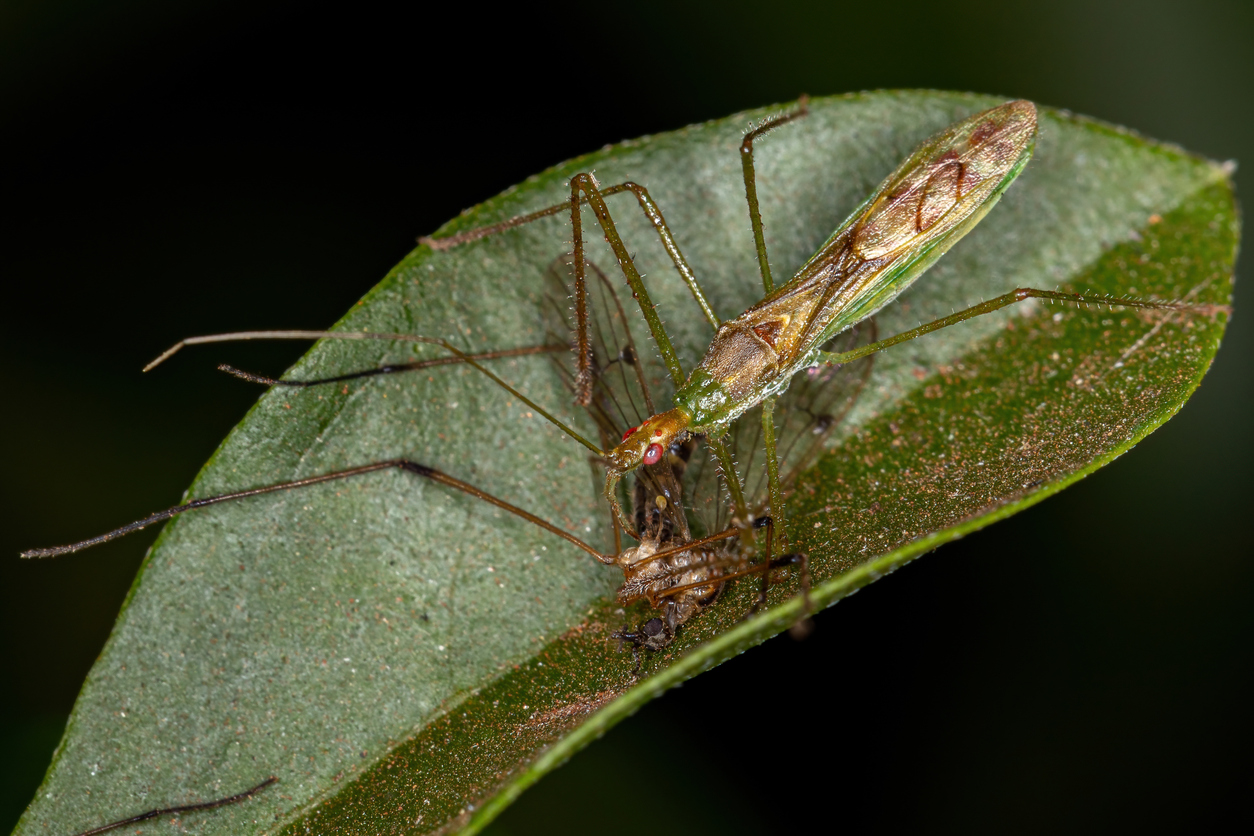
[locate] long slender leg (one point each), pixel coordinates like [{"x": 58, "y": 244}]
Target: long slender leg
[
  {"x": 727, "y": 467},
  {"x": 457, "y": 353},
  {"x": 182, "y": 808},
  {"x": 751, "y": 186},
  {"x": 393, "y": 368},
  {"x": 772, "y": 463},
  {"x": 586, "y": 184},
  {"x": 1017, "y": 295},
  {"x": 400, "y": 464},
  {"x": 765, "y": 585},
  {"x": 583, "y": 325},
  {"x": 647, "y": 205}
]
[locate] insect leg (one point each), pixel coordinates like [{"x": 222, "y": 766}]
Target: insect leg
[
  {"x": 772, "y": 465},
  {"x": 399, "y": 464},
  {"x": 1017, "y": 295},
  {"x": 751, "y": 187},
  {"x": 183, "y": 808},
  {"x": 802, "y": 626},
  {"x": 647, "y": 205},
  {"x": 769, "y": 524},
  {"x": 458, "y": 354},
  {"x": 586, "y": 184},
  {"x": 727, "y": 469}
]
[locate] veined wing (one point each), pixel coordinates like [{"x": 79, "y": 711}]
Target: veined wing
[
  {"x": 623, "y": 381},
  {"x": 806, "y": 417},
  {"x": 922, "y": 209}
]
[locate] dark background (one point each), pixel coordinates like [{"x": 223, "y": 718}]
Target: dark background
[{"x": 173, "y": 169}]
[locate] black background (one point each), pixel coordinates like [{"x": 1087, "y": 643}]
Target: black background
[{"x": 172, "y": 169}]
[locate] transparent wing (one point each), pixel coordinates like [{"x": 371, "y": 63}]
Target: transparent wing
[
  {"x": 806, "y": 416},
  {"x": 623, "y": 382},
  {"x": 622, "y": 379}
]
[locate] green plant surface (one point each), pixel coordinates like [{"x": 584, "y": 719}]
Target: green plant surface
[{"x": 408, "y": 660}]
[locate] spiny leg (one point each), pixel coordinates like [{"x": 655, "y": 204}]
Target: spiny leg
[
  {"x": 999, "y": 302},
  {"x": 764, "y": 587},
  {"x": 804, "y": 625},
  {"x": 735, "y": 489},
  {"x": 405, "y": 465},
  {"x": 775, "y": 491},
  {"x": 778, "y": 513},
  {"x": 751, "y": 186},
  {"x": 182, "y": 808},
  {"x": 587, "y": 185}
]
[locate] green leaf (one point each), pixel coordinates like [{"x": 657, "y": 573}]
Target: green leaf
[{"x": 408, "y": 659}]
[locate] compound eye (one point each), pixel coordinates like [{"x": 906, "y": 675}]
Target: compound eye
[{"x": 653, "y": 454}]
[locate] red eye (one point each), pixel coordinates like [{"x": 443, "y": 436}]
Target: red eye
[
  {"x": 629, "y": 432},
  {"x": 653, "y": 454}
]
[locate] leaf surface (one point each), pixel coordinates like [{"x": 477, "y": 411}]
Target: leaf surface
[{"x": 407, "y": 659}]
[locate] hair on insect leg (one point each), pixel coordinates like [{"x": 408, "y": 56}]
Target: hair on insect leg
[{"x": 751, "y": 188}]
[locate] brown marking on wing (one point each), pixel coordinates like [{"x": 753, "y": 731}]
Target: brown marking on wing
[
  {"x": 940, "y": 193},
  {"x": 770, "y": 330}
]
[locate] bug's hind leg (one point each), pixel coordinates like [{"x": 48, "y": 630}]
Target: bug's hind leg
[{"x": 1018, "y": 295}]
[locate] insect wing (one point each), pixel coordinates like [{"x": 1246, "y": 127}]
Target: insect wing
[
  {"x": 623, "y": 378},
  {"x": 934, "y": 198},
  {"x": 947, "y": 179},
  {"x": 623, "y": 382},
  {"x": 807, "y": 416}
]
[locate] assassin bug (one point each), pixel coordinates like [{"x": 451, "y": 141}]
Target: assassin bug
[{"x": 1102, "y": 300}]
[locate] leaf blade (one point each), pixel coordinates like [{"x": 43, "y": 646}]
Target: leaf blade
[{"x": 1053, "y": 223}]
